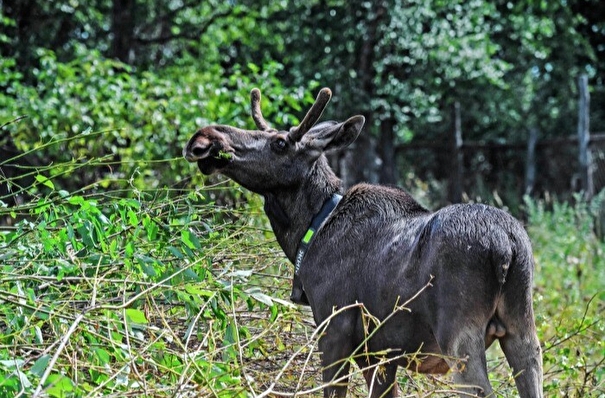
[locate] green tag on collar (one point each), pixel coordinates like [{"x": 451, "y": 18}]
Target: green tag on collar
[{"x": 307, "y": 238}]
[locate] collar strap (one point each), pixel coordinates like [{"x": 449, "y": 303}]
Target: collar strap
[{"x": 319, "y": 218}]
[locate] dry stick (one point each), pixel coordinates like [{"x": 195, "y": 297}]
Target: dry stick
[
  {"x": 183, "y": 378},
  {"x": 193, "y": 364},
  {"x": 337, "y": 380},
  {"x": 115, "y": 375},
  {"x": 186, "y": 377},
  {"x": 581, "y": 328},
  {"x": 189, "y": 331},
  {"x": 13, "y": 121},
  {"x": 93, "y": 307},
  {"x": 293, "y": 356},
  {"x": 324, "y": 324},
  {"x": 260, "y": 335},
  {"x": 396, "y": 309},
  {"x": 67, "y": 336},
  {"x": 238, "y": 342},
  {"x": 311, "y": 342},
  {"x": 133, "y": 364},
  {"x": 305, "y": 365}
]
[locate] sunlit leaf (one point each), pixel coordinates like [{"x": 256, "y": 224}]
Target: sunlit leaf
[
  {"x": 45, "y": 181},
  {"x": 136, "y": 316}
]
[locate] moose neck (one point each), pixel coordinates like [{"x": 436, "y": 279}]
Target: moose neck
[{"x": 292, "y": 209}]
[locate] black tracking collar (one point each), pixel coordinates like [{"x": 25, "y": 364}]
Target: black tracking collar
[{"x": 319, "y": 218}]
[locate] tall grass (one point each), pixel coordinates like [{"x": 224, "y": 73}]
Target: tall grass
[
  {"x": 128, "y": 292},
  {"x": 570, "y": 295}
]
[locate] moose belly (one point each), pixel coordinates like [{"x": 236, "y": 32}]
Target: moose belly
[
  {"x": 406, "y": 337},
  {"x": 426, "y": 364}
]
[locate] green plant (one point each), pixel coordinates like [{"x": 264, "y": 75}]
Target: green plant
[
  {"x": 94, "y": 108},
  {"x": 103, "y": 294},
  {"x": 570, "y": 296}
]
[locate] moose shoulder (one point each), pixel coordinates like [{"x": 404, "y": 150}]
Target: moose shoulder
[{"x": 468, "y": 267}]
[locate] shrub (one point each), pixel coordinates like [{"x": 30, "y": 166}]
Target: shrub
[{"x": 97, "y": 108}]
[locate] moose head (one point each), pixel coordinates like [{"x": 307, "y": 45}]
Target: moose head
[{"x": 269, "y": 159}]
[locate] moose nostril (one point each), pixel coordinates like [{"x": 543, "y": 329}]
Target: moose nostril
[{"x": 198, "y": 151}]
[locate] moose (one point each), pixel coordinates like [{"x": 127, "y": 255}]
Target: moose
[{"x": 464, "y": 272}]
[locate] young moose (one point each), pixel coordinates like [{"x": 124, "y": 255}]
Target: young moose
[{"x": 467, "y": 267}]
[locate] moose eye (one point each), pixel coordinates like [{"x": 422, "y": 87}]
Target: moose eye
[{"x": 279, "y": 145}]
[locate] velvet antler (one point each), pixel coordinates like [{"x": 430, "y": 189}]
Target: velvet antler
[
  {"x": 313, "y": 115},
  {"x": 257, "y": 115}
]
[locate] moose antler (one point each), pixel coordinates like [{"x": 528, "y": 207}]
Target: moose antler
[
  {"x": 313, "y": 115},
  {"x": 257, "y": 115}
]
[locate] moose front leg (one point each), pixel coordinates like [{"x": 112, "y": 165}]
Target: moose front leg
[
  {"x": 336, "y": 348},
  {"x": 334, "y": 358}
]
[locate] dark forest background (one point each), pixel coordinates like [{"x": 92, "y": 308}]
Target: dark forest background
[{"x": 150, "y": 72}]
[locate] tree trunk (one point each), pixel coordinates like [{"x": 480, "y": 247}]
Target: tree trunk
[
  {"x": 122, "y": 29},
  {"x": 584, "y": 138},
  {"x": 361, "y": 161},
  {"x": 455, "y": 183},
  {"x": 388, "y": 169},
  {"x": 530, "y": 165}
]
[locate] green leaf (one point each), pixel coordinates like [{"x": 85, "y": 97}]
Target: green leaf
[
  {"x": 102, "y": 355},
  {"x": 59, "y": 386},
  {"x": 132, "y": 218},
  {"x": 25, "y": 383},
  {"x": 256, "y": 293},
  {"x": 147, "y": 265},
  {"x": 196, "y": 291},
  {"x": 136, "y": 316},
  {"x": 11, "y": 363},
  {"x": 190, "y": 239},
  {"x": 45, "y": 181},
  {"x": 40, "y": 365},
  {"x": 176, "y": 252},
  {"x": 76, "y": 200},
  {"x": 274, "y": 313}
]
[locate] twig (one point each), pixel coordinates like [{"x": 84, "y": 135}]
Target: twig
[
  {"x": 13, "y": 121},
  {"x": 66, "y": 337}
]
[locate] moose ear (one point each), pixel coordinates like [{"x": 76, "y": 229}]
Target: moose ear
[{"x": 329, "y": 135}]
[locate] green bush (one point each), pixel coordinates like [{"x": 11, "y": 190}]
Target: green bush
[
  {"x": 97, "y": 108},
  {"x": 570, "y": 296},
  {"x": 102, "y": 294}
]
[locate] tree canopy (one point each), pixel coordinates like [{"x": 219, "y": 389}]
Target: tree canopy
[{"x": 156, "y": 68}]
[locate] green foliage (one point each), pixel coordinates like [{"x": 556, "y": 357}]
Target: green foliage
[
  {"x": 136, "y": 116},
  {"x": 429, "y": 55},
  {"x": 107, "y": 295},
  {"x": 570, "y": 296}
]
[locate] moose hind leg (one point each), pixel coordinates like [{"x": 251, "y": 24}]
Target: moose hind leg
[
  {"x": 520, "y": 342},
  {"x": 380, "y": 379},
  {"x": 524, "y": 355}
]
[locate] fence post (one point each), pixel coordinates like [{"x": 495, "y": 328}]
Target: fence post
[
  {"x": 456, "y": 177},
  {"x": 530, "y": 167},
  {"x": 584, "y": 138}
]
